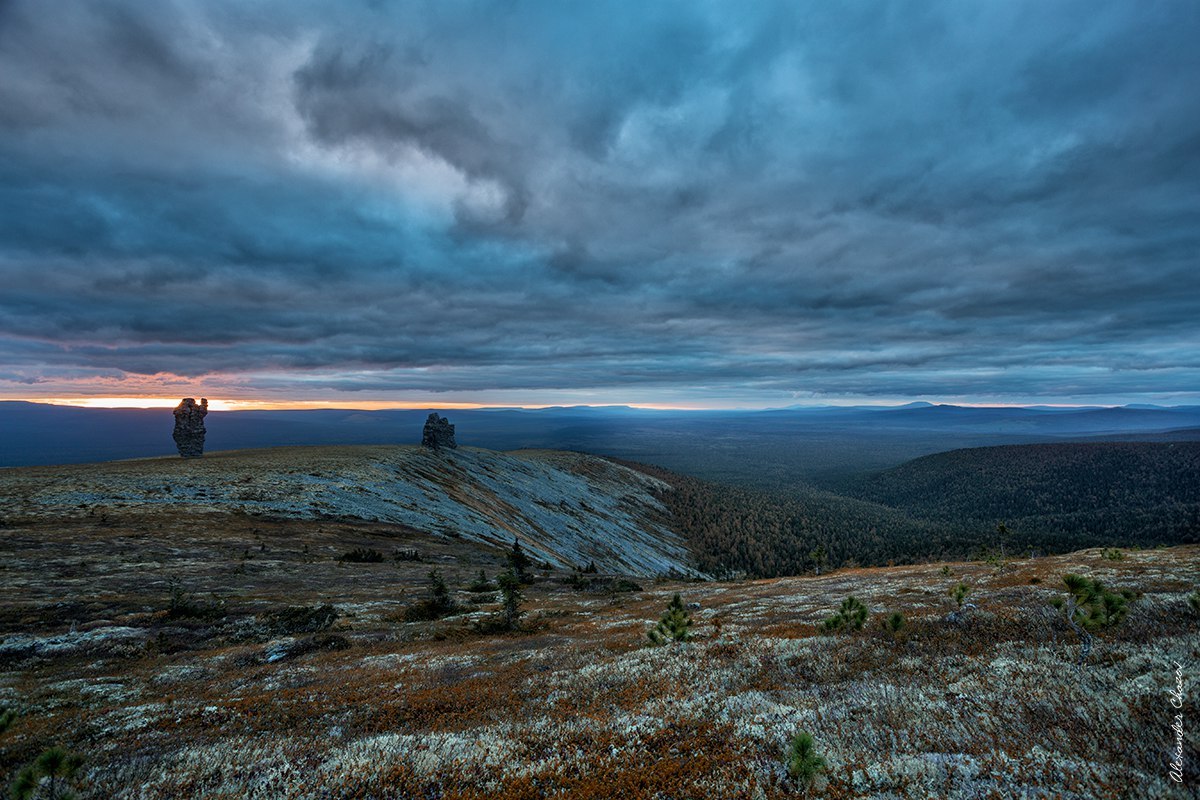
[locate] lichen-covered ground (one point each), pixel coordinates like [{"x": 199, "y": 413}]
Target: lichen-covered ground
[
  {"x": 567, "y": 508},
  {"x": 232, "y": 703}
]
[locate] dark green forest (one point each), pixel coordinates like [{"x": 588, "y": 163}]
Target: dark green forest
[
  {"x": 1050, "y": 498},
  {"x": 1115, "y": 493}
]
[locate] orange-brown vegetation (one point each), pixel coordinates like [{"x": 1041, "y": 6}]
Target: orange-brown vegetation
[{"x": 576, "y": 704}]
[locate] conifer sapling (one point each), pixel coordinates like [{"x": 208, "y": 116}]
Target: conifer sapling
[
  {"x": 481, "y": 584},
  {"x": 440, "y": 599},
  {"x": 510, "y": 590},
  {"x": 1089, "y": 607},
  {"x": 49, "y": 776},
  {"x": 852, "y": 615},
  {"x": 803, "y": 761},
  {"x": 675, "y": 625},
  {"x": 519, "y": 562}
]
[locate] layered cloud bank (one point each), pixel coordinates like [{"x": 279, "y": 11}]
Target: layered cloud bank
[{"x": 688, "y": 203}]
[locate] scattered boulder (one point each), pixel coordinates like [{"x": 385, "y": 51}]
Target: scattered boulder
[
  {"x": 959, "y": 615},
  {"x": 189, "y": 427},
  {"x": 292, "y": 647},
  {"x": 301, "y": 619},
  {"x": 438, "y": 433},
  {"x": 104, "y": 640}
]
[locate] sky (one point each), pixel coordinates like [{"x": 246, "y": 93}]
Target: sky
[{"x": 685, "y": 204}]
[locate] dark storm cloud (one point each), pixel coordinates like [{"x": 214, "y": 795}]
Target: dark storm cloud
[{"x": 969, "y": 200}]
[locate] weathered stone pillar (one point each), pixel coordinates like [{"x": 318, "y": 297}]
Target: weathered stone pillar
[
  {"x": 438, "y": 433},
  {"x": 189, "y": 427}
]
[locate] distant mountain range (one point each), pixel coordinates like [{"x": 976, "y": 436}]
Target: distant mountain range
[{"x": 775, "y": 448}]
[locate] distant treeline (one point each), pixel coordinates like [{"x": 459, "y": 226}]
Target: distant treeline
[
  {"x": 768, "y": 533},
  {"x": 1051, "y": 498},
  {"x": 1114, "y": 493}
]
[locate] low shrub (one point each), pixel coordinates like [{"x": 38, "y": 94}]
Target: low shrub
[
  {"x": 301, "y": 619},
  {"x": 437, "y": 605},
  {"x": 361, "y": 555},
  {"x": 181, "y": 604},
  {"x": 481, "y": 584}
]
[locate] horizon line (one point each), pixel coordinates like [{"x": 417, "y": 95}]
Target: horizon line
[{"x": 230, "y": 404}]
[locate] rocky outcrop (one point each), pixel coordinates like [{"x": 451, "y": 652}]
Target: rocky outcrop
[
  {"x": 189, "y": 427},
  {"x": 566, "y": 508},
  {"x": 438, "y": 433}
]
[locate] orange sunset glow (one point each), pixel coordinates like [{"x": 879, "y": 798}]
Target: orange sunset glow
[{"x": 227, "y": 404}]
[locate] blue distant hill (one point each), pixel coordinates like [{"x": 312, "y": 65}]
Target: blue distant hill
[{"x": 777, "y": 447}]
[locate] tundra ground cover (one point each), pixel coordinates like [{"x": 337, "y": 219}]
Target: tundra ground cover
[{"x": 226, "y": 703}]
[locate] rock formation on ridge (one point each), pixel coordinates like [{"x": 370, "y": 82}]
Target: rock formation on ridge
[
  {"x": 438, "y": 433},
  {"x": 189, "y": 427}
]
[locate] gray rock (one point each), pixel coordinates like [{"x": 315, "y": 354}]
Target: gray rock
[
  {"x": 189, "y": 427},
  {"x": 291, "y": 647},
  {"x": 438, "y": 433},
  {"x": 112, "y": 639}
]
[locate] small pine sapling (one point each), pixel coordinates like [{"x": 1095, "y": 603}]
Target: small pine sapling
[
  {"x": 1002, "y": 539},
  {"x": 675, "y": 625},
  {"x": 437, "y": 605},
  {"x": 851, "y": 616},
  {"x": 1194, "y": 601},
  {"x": 519, "y": 562},
  {"x": 439, "y": 592},
  {"x": 510, "y": 591},
  {"x": 958, "y": 593},
  {"x": 803, "y": 761},
  {"x": 8, "y": 717},
  {"x": 481, "y": 584},
  {"x": 1089, "y": 608},
  {"x": 894, "y": 622},
  {"x": 49, "y": 776},
  {"x": 818, "y": 557}
]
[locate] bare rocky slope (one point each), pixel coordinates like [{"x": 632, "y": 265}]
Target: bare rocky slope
[{"x": 568, "y": 509}]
